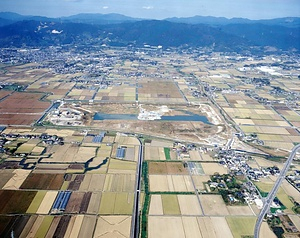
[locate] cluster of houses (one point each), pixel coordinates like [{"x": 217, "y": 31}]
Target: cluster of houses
[
  {"x": 236, "y": 162},
  {"x": 294, "y": 179},
  {"x": 45, "y": 138}
]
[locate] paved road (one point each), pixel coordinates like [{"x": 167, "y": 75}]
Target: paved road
[
  {"x": 135, "y": 223},
  {"x": 196, "y": 191},
  {"x": 273, "y": 192}
]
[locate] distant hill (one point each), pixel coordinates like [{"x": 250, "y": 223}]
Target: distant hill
[
  {"x": 220, "y": 21},
  {"x": 102, "y": 19},
  {"x": 87, "y": 29},
  {"x": 113, "y": 18},
  {"x": 214, "y": 21},
  {"x": 266, "y": 35},
  {"x": 4, "y": 22},
  {"x": 98, "y": 18},
  {"x": 154, "y": 33},
  {"x": 12, "y": 16},
  {"x": 35, "y": 33},
  {"x": 164, "y": 33}
]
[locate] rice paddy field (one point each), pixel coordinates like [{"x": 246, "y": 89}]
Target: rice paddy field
[
  {"x": 188, "y": 226},
  {"x": 17, "y": 179},
  {"x": 167, "y": 168},
  {"x": 113, "y": 226},
  {"x": 21, "y": 108},
  {"x": 53, "y": 85},
  {"x": 159, "y": 92},
  {"x": 43, "y": 181},
  {"x": 159, "y": 153},
  {"x": 71, "y": 153},
  {"x": 172, "y": 204},
  {"x": 121, "y": 166},
  {"x": 101, "y": 188},
  {"x": 211, "y": 168},
  {"x": 125, "y": 92},
  {"x": 171, "y": 183},
  {"x": 15, "y": 202},
  {"x": 273, "y": 125},
  {"x": 196, "y": 155},
  {"x": 81, "y": 94},
  {"x": 241, "y": 226},
  {"x": 182, "y": 205},
  {"x": 116, "y": 203},
  {"x": 176, "y": 199}
]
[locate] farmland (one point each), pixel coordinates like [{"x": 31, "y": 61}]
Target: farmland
[
  {"x": 100, "y": 187},
  {"x": 15, "y": 201},
  {"x": 198, "y": 114},
  {"x": 43, "y": 181},
  {"x": 174, "y": 205},
  {"x": 113, "y": 226},
  {"x": 213, "y": 205},
  {"x": 169, "y": 183},
  {"x": 22, "y": 108},
  {"x": 268, "y": 124},
  {"x": 241, "y": 225},
  {"x": 191, "y": 226},
  {"x": 178, "y": 205},
  {"x": 167, "y": 168}
]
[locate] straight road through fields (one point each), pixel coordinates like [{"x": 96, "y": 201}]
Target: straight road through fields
[
  {"x": 135, "y": 222},
  {"x": 274, "y": 190}
]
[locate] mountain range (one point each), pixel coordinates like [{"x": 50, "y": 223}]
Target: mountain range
[{"x": 114, "y": 29}]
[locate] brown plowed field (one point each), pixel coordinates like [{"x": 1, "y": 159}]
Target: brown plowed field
[
  {"x": 85, "y": 202},
  {"x": 4, "y": 94},
  {"x": 5, "y": 224},
  {"x": 74, "y": 203},
  {"x": 19, "y": 225},
  {"x": 20, "y": 102},
  {"x": 62, "y": 226},
  {"x": 15, "y": 201},
  {"x": 43, "y": 181},
  {"x": 167, "y": 168},
  {"x": 17, "y": 108},
  {"x": 18, "y": 119},
  {"x": 75, "y": 184}
]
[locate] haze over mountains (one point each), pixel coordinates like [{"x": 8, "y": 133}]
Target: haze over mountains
[{"x": 114, "y": 29}]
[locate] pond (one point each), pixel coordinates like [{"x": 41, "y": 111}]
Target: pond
[{"x": 189, "y": 117}]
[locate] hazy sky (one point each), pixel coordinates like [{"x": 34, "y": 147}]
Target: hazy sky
[{"x": 158, "y": 9}]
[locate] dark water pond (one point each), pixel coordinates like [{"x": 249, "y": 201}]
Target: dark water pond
[{"x": 189, "y": 117}]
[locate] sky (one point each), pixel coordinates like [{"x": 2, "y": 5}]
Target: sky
[{"x": 157, "y": 9}]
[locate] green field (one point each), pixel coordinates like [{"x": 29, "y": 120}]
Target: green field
[
  {"x": 44, "y": 227},
  {"x": 107, "y": 203},
  {"x": 116, "y": 203},
  {"x": 241, "y": 226},
  {"x": 170, "y": 204},
  {"x": 122, "y": 164},
  {"x": 36, "y": 202},
  {"x": 65, "y": 185},
  {"x": 167, "y": 153},
  {"x": 124, "y": 203}
]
